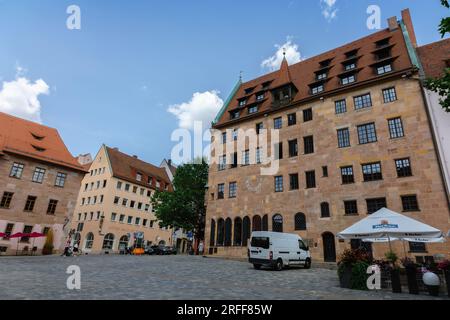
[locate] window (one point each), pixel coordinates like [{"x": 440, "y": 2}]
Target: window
[
  {"x": 321, "y": 76},
  {"x": 242, "y": 102},
  {"x": 373, "y": 205},
  {"x": 6, "y": 200},
  {"x": 384, "y": 69},
  {"x": 124, "y": 202},
  {"x": 16, "y": 170},
  {"x": 293, "y": 181},
  {"x": 108, "y": 242},
  {"x": 417, "y": 247},
  {"x": 307, "y": 115},
  {"x": 367, "y": 133},
  {"x": 310, "y": 179},
  {"x": 410, "y": 203},
  {"x": 29, "y": 205},
  {"x": 300, "y": 222},
  {"x": 343, "y": 138},
  {"x": 234, "y": 135},
  {"x": 113, "y": 216},
  {"x": 403, "y": 168},
  {"x": 277, "y": 223},
  {"x": 26, "y": 230},
  {"x": 279, "y": 184},
  {"x": 292, "y": 119},
  {"x": 132, "y": 204},
  {"x": 389, "y": 95},
  {"x": 259, "y": 127},
  {"x": 121, "y": 218},
  {"x": 233, "y": 190},
  {"x": 293, "y": 148},
  {"x": 119, "y": 185},
  {"x": 60, "y": 179},
  {"x": 258, "y": 155},
  {"x": 325, "y": 210},
  {"x": 89, "y": 241},
  {"x": 130, "y": 220},
  {"x": 278, "y": 151},
  {"x": 324, "y": 171},
  {"x": 221, "y": 191},
  {"x": 309, "y": 144},
  {"x": 317, "y": 89},
  {"x": 235, "y": 115},
  {"x": 139, "y": 177},
  {"x": 137, "y": 221},
  {"x": 347, "y": 175},
  {"x": 116, "y": 200},
  {"x": 372, "y": 171},
  {"x": 52, "y": 207},
  {"x": 104, "y": 183},
  {"x": 127, "y": 187},
  {"x": 253, "y": 109},
  {"x": 278, "y": 123},
  {"x": 260, "y": 96},
  {"x": 222, "y": 162},
  {"x": 135, "y": 189},
  {"x": 348, "y": 80},
  {"x": 341, "y": 106},
  {"x": 396, "y": 128},
  {"x": 350, "y": 66},
  {"x": 234, "y": 160},
  {"x": 224, "y": 137},
  {"x": 246, "y": 157},
  {"x": 351, "y": 208},
  {"x": 8, "y": 230},
  {"x": 364, "y": 101},
  {"x": 38, "y": 175}
]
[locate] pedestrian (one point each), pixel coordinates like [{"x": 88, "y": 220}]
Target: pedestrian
[
  {"x": 76, "y": 248},
  {"x": 200, "y": 248}
]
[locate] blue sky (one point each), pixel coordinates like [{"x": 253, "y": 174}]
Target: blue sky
[{"x": 114, "y": 80}]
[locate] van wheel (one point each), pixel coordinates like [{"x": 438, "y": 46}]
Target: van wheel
[
  {"x": 307, "y": 264},
  {"x": 278, "y": 265},
  {"x": 257, "y": 266}
]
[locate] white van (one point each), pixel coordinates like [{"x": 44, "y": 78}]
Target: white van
[{"x": 278, "y": 250}]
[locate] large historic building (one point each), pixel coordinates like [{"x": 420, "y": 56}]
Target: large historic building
[
  {"x": 354, "y": 136},
  {"x": 39, "y": 184},
  {"x": 114, "y": 210}
]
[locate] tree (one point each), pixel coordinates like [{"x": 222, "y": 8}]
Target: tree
[
  {"x": 442, "y": 85},
  {"x": 48, "y": 246},
  {"x": 184, "y": 207}
]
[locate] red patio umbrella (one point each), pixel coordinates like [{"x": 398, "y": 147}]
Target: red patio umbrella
[
  {"x": 2, "y": 235},
  {"x": 19, "y": 235}
]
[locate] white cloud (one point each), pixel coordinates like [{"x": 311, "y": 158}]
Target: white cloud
[
  {"x": 202, "y": 107},
  {"x": 329, "y": 10},
  {"x": 292, "y": 55},
  {"x": 20, "y": 97}
]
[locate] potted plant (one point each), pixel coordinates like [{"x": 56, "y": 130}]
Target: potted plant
[
  {"x": 392, "y": 258},
  {"x": 411, "y": 274},
  {"x": 444, "y": 266},
  {"x": 352, "y": 269}
]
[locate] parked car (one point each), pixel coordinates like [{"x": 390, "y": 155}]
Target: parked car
[
  {"x": 149, "y": 251},
  {"x": 172, "y": 250},
  {"x": 278, "y": 250}
]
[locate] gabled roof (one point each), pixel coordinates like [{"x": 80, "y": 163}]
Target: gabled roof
[
  {"x": 35, "y": 141},
  {"x": 435, "y": 57},
  {"x": 302, "y": 75},
  {"x": 127, "y": 167}
]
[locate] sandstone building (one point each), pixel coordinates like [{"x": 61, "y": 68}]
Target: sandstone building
[
  {"x": 39, "y": 184},
  {"x": 114, "y": 210},
  {"x": 354, "y": 136}
]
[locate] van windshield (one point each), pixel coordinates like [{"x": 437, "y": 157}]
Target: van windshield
[{"x": 260, "y": 242}]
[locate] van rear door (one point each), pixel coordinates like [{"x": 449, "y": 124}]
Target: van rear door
[{"x": 260, "y": 248}]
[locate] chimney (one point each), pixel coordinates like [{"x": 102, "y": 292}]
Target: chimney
[
  {"x": 169, "y": 162},
  {"x": 135, "y": 156},
  {"x": 407, "y": 20},
  {"x": 393, "y": 24}
]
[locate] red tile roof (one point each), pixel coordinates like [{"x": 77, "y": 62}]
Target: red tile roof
[
  {"x": 302, "y": 74},
  {"x": 126, "y": 167},
  {"x": 435, "y": 57},
  {"x": 33, "y": 140}
]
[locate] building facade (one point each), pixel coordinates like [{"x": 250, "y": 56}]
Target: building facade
[
  {"x": 39, "y": 184},
  {"x": 351, "y": 134},
  {"x": 113, "y": 210}
]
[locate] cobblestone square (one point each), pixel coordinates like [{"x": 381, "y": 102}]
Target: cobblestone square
[{"x": 169, "y": 277}]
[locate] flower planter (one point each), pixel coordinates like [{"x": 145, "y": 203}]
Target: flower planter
[
  {"x": 411, "y": 275},
  {"x": 345, "y": 277},
  {"x": 395, "y": 281}
]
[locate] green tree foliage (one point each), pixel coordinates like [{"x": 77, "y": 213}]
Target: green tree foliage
[
  {"x": 48, "y": 246},
  {"x": 185, "y": 206},
  {"x": 442, "y": 85}
]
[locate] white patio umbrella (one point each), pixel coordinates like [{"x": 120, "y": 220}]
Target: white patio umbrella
[
  {"x": 387, "y": 224},
  {"x": 419, "y": 240}
]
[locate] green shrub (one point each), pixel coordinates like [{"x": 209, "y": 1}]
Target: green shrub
[
  {"x": 48, "y": 246},
  {"x": 359, "y": 275}
]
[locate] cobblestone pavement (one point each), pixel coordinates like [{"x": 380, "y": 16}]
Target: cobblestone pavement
[{"x": 169, "y": 277}]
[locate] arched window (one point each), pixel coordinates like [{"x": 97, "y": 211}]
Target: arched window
[
  {"x": 257, "y": 223},
  {"x": 228, "y": 229},
  {"x": 265, "y": 223},
  {"x": 162, "y": 243},
  {"x": 123, "y": 242},
  {"x": 212, "y": 235},
  {"x": 237, "y": 241},
  {"x": 277, "y": 223},
  {"x": 220, "y": 232},
  {"x": 325, "y": 210},
  {"x": 300, "y": 222},
  {"x": 246, "y": 231},
  {"x": 108, "y": 242},
  {"x": 89, "y": 242}
]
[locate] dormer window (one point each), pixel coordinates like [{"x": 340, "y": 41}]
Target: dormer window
[
  {"x": 317, "y": 89},
  {"x": 260, "y": 96},
  {"x": 350, "y": 66},
  {"x": 266, "y": 84},
  {"x": 253, "y": 109},
  {"x": 249, "y": 90},
  {"x": 325, "y": 63},
  {"x": 348, "y": 79},
  {"x": 384, "y": 69},
  {"x": 351, "y": 54},
  {"x": 139, "y": 177},
  {"x": 38, "y": 137},
  {"x": 321, "y": 76},
  {"x": 39, "y": 149},
  {"x": 283, "y": 95},
  {"x": 242, "y": 102},
  {"x": 383, "y": 54},
  {"x": 235, "y": 115},
  {"x": 382, "y": 43}
]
